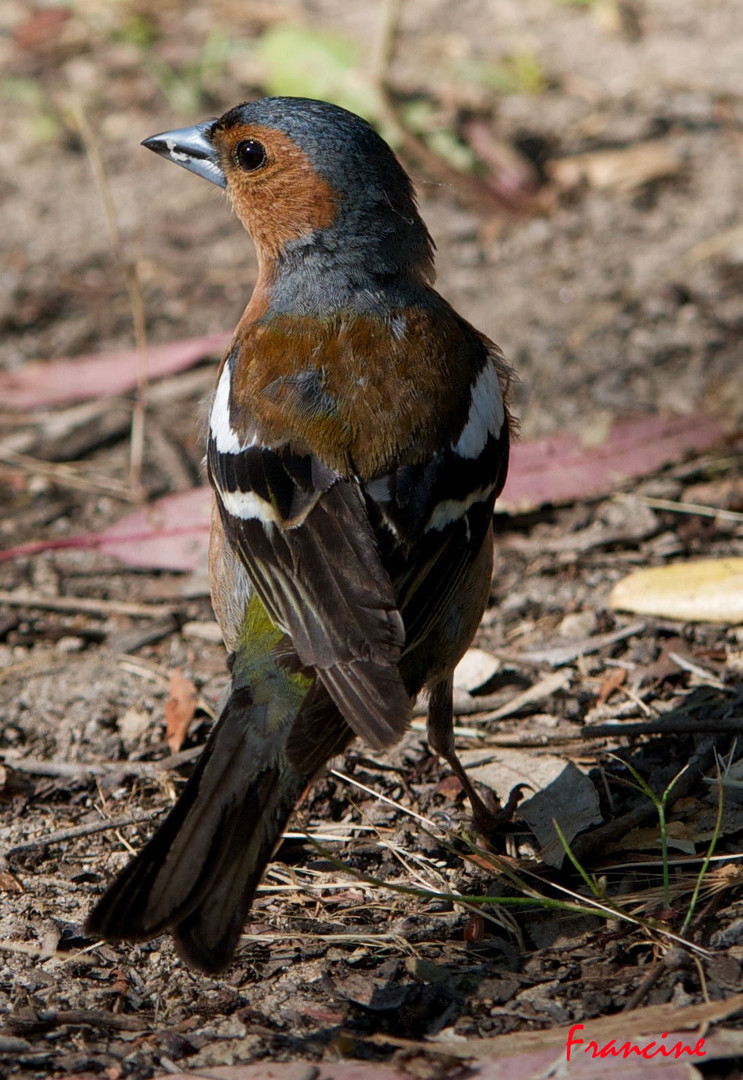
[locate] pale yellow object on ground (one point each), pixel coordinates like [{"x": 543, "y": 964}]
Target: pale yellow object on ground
[{"x": 710, "y": 590}]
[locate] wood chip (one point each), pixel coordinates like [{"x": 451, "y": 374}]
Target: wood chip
[
  {"x": 547, "y": 686},
  {"x": 558, "y": 655},
  {"x": 622, "y": 169},
  {"x": 202, "y": 631}
]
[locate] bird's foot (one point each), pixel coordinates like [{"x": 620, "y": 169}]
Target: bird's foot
[{"x": 488, "y": 816}]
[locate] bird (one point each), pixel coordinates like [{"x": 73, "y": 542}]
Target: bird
[{"x": 358, "y": 438}]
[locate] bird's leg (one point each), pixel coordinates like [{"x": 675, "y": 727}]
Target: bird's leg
[{"x": 441, "y": 740}]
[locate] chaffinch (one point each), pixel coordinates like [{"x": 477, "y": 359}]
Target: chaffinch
[{"x": 358, "y": 438}]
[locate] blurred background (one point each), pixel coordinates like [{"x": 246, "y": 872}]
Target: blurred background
[{"x": 578, "y": 163}]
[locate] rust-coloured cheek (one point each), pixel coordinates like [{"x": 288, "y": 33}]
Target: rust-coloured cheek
[{"x": 283, "y": 199}]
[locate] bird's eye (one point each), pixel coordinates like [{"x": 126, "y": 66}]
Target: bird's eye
[{"x": 250, "y": 154}]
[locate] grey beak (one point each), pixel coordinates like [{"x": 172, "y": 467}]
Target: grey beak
[{"x": 190, "y": 148}]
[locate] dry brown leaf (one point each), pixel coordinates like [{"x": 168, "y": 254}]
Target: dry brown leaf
[
  {"x": 41, "y": 29},
  {"x": 612, "y": 682},
  {"x": 179, "y": 708},
  {"x": 450, "y": 786},
  {"x": 9, "y": 882},
  {"x": 649, "y": 840}
]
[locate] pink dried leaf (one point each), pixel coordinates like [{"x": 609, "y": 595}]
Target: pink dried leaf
[
  {"x": 173, "y": 533},
  {"x": 170, "y": 534},
  {"x": 560, "y": 469},
  {"x": 61, "y": 382}
]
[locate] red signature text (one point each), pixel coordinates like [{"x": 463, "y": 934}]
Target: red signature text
[{"x": 627, "y": 1049}]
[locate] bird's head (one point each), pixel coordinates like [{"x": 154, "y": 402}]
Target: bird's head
[{"x": 309, "y": 177}]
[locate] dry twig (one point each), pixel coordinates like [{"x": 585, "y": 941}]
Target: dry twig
[
  {"x": 134, "y": 292},
  {"x": 87, "y": 605},
  {"x": 76, "y": 831}
]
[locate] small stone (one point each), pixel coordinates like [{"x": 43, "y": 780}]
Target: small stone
[
  {"x": 577, "y": 625},
  {"x": 69, "y": 644},
  {"x": 9, "y": 1044},
  {"x": 133, "y": 724}
]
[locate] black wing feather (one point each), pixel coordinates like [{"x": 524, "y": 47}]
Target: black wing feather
[{"x": 324, "y": 584}]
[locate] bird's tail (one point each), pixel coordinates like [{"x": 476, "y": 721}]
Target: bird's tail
[{"x": 198, "y": 874}]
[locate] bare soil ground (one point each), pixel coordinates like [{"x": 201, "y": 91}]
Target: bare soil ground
[{"x": 613, "y": 282}]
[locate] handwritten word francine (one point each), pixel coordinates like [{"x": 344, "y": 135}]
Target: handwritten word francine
[{"x": 647, "y": 1051}]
